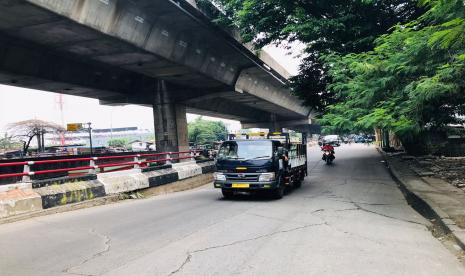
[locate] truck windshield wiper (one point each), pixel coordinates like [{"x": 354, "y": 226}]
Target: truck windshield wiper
[{"x": 259, "y": 157}]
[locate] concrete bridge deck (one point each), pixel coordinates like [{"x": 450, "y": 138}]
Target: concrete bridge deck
[
  {"x": 115, "y": 50},
  {"x": 158, "y": 53}
]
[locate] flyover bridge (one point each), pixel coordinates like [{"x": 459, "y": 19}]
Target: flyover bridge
[{"x": 159, "y": 53}]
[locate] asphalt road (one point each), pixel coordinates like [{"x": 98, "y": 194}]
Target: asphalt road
[{"x": 347, "y": 219}]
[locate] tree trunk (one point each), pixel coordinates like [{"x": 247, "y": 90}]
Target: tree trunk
[
  {"x": 416, "y": 145},
  {"x": 43, "y": 141},
  {"x": 26, "y": 145}
]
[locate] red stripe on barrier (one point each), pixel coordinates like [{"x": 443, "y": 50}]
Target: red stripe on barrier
[
  {"x": 153, "y": 154},
  {"x": 116, "y": 157},
  {"x": 126, "y": 164},
  {"x": 117, "y": 164},
  {"x": 12, "y": 175},
  {"x": 61, "y": 160},
  {"x": 22, "y": 163},
  {"x": 64, "y": 170}
]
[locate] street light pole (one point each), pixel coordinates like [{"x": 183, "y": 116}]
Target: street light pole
[{"x": 89, "y": 128}]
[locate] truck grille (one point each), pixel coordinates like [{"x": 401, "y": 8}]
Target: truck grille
[{"x": 246, "y": 177}]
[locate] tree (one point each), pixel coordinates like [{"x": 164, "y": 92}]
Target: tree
[
  {"x": 391, "y": 64},
  {"x": 118, "y": 142},
  {"x": 201, "y": 131},
  {"x": 8, "y": 143},
  {"x": 25, "y": 131},
  {"x": 411, "y": 83},
  {"x": 325, "y": 26}
]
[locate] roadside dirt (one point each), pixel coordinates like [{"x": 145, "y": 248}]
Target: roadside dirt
[{"x": 449, "y": 169}]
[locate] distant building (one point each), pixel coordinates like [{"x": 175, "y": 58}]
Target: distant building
[
  {"x": 101, "y": 137},
  {"x": 138, "y": 145}
]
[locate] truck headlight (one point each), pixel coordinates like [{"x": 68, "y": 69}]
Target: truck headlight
[
  {"x": 266, "y": 177},
  {"x": 219, "y": 177}
]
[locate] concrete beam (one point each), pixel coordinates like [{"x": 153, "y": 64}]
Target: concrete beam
[
  {"x": 262, "y": 60},
  {"x": 30, "y": 65},
  {"x": 283, "y": 124},
  {"x": 237, "y": 111},
  {"x": 209, "y": 97},
  {"x": 254, "y": 82},
  {"x": 150, "y": 27}
]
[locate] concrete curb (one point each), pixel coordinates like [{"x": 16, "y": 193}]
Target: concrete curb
[{"x": 443, "y": 219}]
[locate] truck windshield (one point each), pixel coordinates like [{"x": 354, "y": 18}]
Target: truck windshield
[{"x": 245, "y": 150}]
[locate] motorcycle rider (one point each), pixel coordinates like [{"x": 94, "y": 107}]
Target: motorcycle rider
[{"x": 328, "y": 147}]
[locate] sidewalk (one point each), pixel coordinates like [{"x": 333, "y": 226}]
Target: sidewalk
[{"x": 444, "y": 202}]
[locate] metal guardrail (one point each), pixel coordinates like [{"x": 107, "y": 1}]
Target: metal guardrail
[{"x": 139, "y": 160}]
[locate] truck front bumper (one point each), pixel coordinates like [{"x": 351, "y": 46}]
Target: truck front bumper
[{"x": 245, "y": 185}]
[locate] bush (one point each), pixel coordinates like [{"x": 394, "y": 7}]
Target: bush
[{"x": 117, "y": 142}]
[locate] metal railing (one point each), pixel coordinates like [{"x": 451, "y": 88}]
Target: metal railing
[{"x": 139, "y": 160}]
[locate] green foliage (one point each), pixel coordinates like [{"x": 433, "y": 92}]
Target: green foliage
[
  {"x": 202, "y": 131},
  {"x": 411, "y": 82},
  {"x": 392, "y": 64},
  {"x": 9, "y": 143},
  {"x": 118, "y": 142},
  {"x": 325, "y": 26}
]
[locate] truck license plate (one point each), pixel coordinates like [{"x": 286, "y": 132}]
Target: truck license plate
[{"x": 240, "y": 185}]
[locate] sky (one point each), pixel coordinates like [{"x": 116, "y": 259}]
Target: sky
[{"x": 17, "y": 104}]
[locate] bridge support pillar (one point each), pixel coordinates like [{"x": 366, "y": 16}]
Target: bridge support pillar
[
  {"x": 274, "y": 124},
  {"x": 170, "y": 122}
]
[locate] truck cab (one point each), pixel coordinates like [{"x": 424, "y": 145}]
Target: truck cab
[{"x": 269, "y": 164}]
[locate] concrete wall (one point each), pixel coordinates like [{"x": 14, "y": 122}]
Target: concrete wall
[
  {"x": 123, "y": 181},
  {"x": 187, "y": 169},
  {"x": 62, "y": 194},
  {"x": 19, "y": 201},
  {"x": 21, "y": 198}
]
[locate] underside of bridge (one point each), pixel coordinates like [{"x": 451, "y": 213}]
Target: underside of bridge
[{"x": 155, "y": 53}]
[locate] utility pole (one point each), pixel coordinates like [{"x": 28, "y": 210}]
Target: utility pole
[
  {"x": 89, "y": 128},
  {"x": 60, "y": 102},
  {"x": 43, "y": 140}
]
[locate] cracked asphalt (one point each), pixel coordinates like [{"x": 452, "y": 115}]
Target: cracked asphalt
[{"x": 347, "y": 219}]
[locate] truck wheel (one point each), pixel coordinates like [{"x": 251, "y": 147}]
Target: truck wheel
[
  {"x": 278, "y": 193},
  {"x": 227, "y": 193},
  {"x": 298, "y": 182}
]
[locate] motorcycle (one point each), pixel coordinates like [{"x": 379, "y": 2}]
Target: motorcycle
[{"x": 328, "y": 157}]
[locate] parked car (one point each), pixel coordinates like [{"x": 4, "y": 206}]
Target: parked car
[{"x": 333, "y": 140}]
